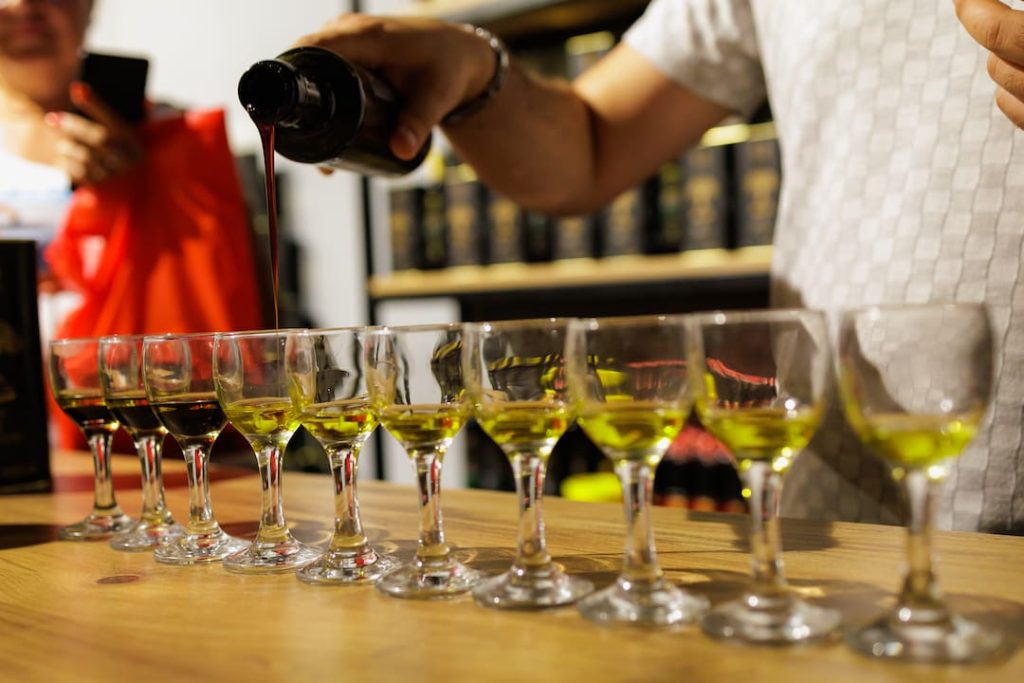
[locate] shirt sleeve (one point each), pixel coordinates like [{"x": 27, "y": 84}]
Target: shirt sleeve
[{"x": 707, "y": 46}]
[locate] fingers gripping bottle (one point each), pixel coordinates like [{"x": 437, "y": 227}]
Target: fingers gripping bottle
[{"x": 326, "y": 110}]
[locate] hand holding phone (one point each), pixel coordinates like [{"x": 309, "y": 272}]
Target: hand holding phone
[
  {"x": 98, "y": 139},
  {"x": 119, "y": 82},
  {"x": 93, "y": 149}
]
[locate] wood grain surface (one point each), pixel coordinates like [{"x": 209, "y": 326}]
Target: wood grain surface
[{"x": 83, "y": 612}]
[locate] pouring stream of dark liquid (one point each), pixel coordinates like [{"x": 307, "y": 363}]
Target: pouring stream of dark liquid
[{"x": 267, "y": 138}]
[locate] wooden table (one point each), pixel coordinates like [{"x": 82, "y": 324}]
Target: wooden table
[{"x": 83, "y": 612}]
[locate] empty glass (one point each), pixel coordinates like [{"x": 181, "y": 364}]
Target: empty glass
[
  {"x": 250, "y": 371},
  {"x": 178, "y": 375},
  {"x": 416, "y": 385},
  {"x": 75, "y": 380}
]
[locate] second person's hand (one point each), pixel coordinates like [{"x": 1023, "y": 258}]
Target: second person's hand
[
  {"x": 91, "y": 151},
  {"x": 434, "y": 66},
  {"x": 1000, "y": 30}
]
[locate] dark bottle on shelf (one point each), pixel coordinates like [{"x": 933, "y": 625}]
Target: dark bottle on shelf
[{"x": 325, "y": 110}]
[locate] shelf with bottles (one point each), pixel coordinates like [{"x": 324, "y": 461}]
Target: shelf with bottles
[
  {"x": 526, "y": 19},
  {"x": 707, "y": 215}
]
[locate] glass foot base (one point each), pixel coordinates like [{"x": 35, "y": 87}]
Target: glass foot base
[
  {"x": 146, "y": 536},
  {"x": 337, "y": 568},
  {"x": 199, "y": 548},
  {"x": 97, "y": 526},
  {"x": 535, "y": 588},
  {"x": 767, "y": 621},
  {"x": 263, "y": 557},
  {"x": 418, "y": 581},
  {"x": 954, "y": 640},
  {"x": 660, "y": 604}
]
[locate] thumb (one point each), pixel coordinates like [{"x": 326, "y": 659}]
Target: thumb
[{"x": 424, "y": 107}]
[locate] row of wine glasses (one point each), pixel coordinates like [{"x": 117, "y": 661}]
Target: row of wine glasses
[{"x": 914, "y": 381}]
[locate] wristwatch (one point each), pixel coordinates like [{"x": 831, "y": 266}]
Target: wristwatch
[{"x": 470, "y": 107}]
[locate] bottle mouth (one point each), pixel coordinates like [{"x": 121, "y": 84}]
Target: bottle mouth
[{"x": 267, "y": 91}]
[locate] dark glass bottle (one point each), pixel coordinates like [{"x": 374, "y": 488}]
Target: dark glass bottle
[{"x": 326, "y": 110}]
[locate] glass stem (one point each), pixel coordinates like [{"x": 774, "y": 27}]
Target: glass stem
[
  {"x": 348, "y": 529},
  {"x": 104, "y": 502},
  {"x": 154, "y": 509},
  {"x": 200, "y": 513},
  {"x": 431, "y": 549},
  {"x": 765, "y": 485},
  {"x": 920, "y": 592},
  {"x": 273, "y": 528},
  {"x": 641, "y": 564},
  {"x": 529, "y": 469}
]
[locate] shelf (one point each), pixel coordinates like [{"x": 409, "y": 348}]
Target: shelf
[
  {"x": 706, "y": 264},
  {"x": 518, "y": 18}
]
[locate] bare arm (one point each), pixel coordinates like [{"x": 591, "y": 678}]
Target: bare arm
[{"x": 549, "y": 145}]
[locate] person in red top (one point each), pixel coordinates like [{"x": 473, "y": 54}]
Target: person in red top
[{"x": 155, "y": 237}]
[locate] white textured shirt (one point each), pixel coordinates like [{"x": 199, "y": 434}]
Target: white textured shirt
[{"x": 902, "y": 182}]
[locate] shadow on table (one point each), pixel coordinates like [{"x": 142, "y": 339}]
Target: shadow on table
[
  {"x": 860, "y": 603},
  {"x": 797, "y": 534},
  {"x": 24, "y": 535}
]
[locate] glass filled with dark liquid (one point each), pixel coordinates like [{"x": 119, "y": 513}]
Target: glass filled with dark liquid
[
  {"x": 75, "y": 381},
  {"x": 120, "y": 362},
  {"x": 178, "y": 378}
]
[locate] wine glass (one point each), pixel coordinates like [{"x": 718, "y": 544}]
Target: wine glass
[
  {"x": 177, "y": 373},
  {"x": 333, "y": 404},
  {"x": 915, "y": 383},
  {"x": 254, "y": 389},
  {"x": 760, "y": 381},
  {"x": 515, "y": 376},
  {"x": 416, "y": 386},
  {"x": 125, "y": 394},
  {"x": 628, "y": 382},
  {"x": 75, "y": 381}
]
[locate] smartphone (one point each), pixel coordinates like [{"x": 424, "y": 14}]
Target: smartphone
[{"x": 118, "y": 80}]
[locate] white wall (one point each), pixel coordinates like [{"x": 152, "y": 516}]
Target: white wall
[{"x": 198, "y": 49}]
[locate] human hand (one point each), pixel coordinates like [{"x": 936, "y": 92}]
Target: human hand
[
  {"x": 90, "y": 151},
  {"x": 434, "y": 66},
  {"x": 1000, "y": 30}
]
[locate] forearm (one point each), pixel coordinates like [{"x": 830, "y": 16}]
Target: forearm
[
  {"x": 548, "y": 145},
  {"x": 533, "y": 143},
  {"x": 570, "y": 149}
]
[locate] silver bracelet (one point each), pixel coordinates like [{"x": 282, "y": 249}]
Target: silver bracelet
[{"x": 470, "y": 107}]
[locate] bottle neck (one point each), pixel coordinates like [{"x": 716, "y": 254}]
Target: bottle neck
[{"x": 274, "y": 92}]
